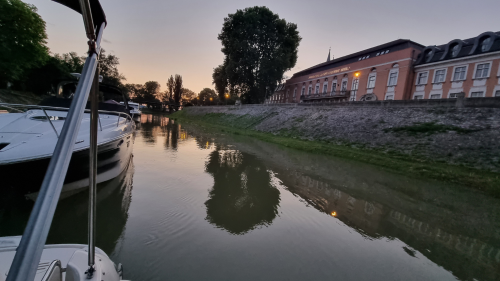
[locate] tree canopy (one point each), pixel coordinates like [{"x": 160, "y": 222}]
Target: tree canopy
[
  {"x": 22, "y": 39},
  {"x": 187, "y": 94},
  {"x": 259, "y": 48},
  {"x": 205, "y": 95}
]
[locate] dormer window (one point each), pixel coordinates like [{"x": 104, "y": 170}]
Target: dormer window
[
  {"x": 455, "y": 50},
  {"x": 486, "y": 44},
  {"x": 428, "y": 56}
]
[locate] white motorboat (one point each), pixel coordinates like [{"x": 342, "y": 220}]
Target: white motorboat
[
  {"x": 53, "y": 132},
  {"x": 134, "y": 108},
  {"x": 28, "y": 139}
]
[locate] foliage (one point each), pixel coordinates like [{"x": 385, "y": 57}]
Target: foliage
[
  {"x": 170, "y": 87},
  {"x": 205, "y": 95},
  {"x": 44, "y": 79},
  {"x": 187, "y": 94},
  {"x": 22, "y": 39},
  {"x": 177, "y": 88},
  {"x": 151, "y": 91},
  {"x": 258, "y": 47},
  {"x": 72, "y": 61},
  {"x": 135, "y": 91},
  {"x": 108, "y": 68},
  {"x": 220, "y": 81}
]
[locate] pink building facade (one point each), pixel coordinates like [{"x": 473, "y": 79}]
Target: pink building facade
[{"x": 401, "y": 70}]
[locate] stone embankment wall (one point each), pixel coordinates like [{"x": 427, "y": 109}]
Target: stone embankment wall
[{"x": 467, "y": 136}]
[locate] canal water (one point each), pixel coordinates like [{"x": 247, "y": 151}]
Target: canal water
[{"x": 201, "y": 205}]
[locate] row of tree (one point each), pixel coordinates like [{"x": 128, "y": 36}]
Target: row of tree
[{"x": 150, "y": 91}]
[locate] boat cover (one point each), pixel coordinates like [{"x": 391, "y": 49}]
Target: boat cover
[{"x": 98, "y": 15}]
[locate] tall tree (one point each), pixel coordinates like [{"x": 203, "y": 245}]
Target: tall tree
[
  {"x": 258, "y": 47},
  {"x": 22, "y": 39},
  {"x": 177, "y": 88},
  {"x": 151, "y": 90},
  {"x": 219, "y": 78},
  {"x": 170, "y": 87}
]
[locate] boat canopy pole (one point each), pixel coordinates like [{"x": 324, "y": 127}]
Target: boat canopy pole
[
  {"x": 94, "y": 117},
  {"x": 29, "y": 252}
]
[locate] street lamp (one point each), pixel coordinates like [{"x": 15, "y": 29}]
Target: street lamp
[
  {"x": 227, "y": 96},
  {"x": 211, "y": 101}
]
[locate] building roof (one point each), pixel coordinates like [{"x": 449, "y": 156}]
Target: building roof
[
  {"x": 371, "y": 52},
  {"x": 464, "y": 48}
]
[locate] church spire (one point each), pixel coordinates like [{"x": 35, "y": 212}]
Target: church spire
[{"x": 328, "y": 59}]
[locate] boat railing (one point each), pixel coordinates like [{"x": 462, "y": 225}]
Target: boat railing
[
  {"x": 44, "y": 108},
  {"x": 28, "y": 253}
]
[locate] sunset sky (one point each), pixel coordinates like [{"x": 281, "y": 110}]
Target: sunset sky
[{"x": 155, "y": 39}]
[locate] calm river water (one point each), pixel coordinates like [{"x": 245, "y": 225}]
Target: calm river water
[{"x": 199, "y": 205}]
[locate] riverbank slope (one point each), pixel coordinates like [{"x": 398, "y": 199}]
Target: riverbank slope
[{"x": 453, "y": 145}]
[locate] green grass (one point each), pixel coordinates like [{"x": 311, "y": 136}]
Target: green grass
[
  {"x": 413, "y": 166},
  {"x": 428, "y": 128}
]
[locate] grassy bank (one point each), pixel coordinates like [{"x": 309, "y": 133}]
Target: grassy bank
[{"x": 413, "y": 166}]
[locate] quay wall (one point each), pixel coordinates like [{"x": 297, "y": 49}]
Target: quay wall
[{"x": 467, "y": 134}]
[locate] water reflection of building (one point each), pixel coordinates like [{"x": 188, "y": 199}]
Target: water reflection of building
[
  {"x": 465, "y": 256},
  {"x": 242, "y": 197}
]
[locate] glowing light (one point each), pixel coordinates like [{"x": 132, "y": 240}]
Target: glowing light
[
  {"x": 356, "y": 74},
  {"x": 210, "y": 99},
  {"x": 334, "y": 214}
]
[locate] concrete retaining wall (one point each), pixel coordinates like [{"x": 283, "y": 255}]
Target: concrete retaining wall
[{"x": 470, "y": 136}]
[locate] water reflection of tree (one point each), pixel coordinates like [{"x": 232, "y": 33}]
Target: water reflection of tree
[
  {"x": 172, "y": 134},
  {"x": 242, "y": 197}
]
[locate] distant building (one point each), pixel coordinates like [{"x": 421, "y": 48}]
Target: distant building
[
  {"x": 401, "y": 70},
  {"x": 470, "y": 66}
]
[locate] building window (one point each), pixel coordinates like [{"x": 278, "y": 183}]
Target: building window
[
  {"x": 455, "y": 50},
  {"x": 422, "y": 78},
  {"x": 389, "y": 97},
  {"x": 482, "y": 70},
  {"x": 459, "y": 73},
  {"x": 486, "y": 45},
  {"x": 478, "y": 94},
  {"x": 344, "y": 86},
  {"x": 439, "y": 76},
  {"x": 354, "y": 89},
  {"x": 418, "y": 97},
  {"x": 393, "y": 79},
  {"x": 303, "y": 91},
  {"x": 325, "y": 88},
  {"x": 309, "y": 91},
  {"x": 453, "y": 95},
  {"x": 435, "y": 96},
  {"x": 428, "y": 55},
  {"x": 497, "y": 93},
  {"x": 317, "y": 89},
  {"x": 294, "y": 92},
  {"x": 371, "y": 82},
  {"x": 334, "y": 87}
]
